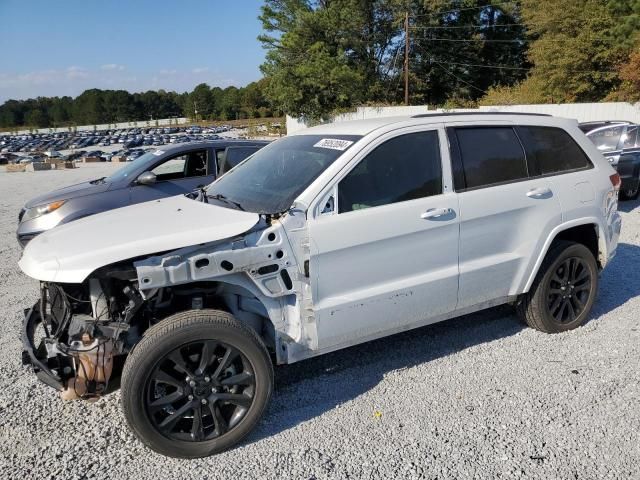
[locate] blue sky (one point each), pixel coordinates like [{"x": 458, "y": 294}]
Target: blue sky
[{"x": 65, "y": 47}]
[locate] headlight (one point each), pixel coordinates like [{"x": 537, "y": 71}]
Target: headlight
[{"x": 35, "y": 212}]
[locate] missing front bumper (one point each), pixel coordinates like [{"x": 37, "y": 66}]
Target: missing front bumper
[{"x": 43, "y": 366}]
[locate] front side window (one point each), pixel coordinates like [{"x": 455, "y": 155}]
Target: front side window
[
  {"x": 403, "y": 168},
  {"x": 553, "y": 150},
  {"x": 489, "y": 156},
  {"x": 191, "y": 164}
]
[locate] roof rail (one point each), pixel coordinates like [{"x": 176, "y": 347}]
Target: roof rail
[{"x": 451, "y": 114}]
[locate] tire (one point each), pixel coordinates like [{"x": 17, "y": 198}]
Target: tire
[
  {"x": 631, "y": 193},
  {"x": 179, "y": 409},
  {"x": 539, "y": 308}
]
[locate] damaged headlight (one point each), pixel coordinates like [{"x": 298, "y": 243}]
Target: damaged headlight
[{"x": 35, "y": 212}]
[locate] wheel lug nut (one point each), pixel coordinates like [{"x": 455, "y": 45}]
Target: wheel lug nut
[
  {"x": 214, "y": 390},
  {"x": 203, "y": 401},
  {"x": 190, "y": 397},
  {"x": 187, "y": 379},
  {"x": 207, "y": 379},
  {"x": 192, "y": 383}
]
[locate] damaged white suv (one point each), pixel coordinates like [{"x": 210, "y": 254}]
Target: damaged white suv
[{"x": 331, "y": 237}]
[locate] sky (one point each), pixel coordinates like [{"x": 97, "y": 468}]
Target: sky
[{"x": 55, "y": 48}]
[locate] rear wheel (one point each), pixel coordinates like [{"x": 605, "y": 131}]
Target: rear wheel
[
  {"x": 196, "y": 384},
  {"x": 564, "y": 290}
]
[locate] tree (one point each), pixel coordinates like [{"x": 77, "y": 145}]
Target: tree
[{"x": 326, "y": 55}]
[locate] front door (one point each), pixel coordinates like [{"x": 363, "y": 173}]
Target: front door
[{"x": 384, "y": 254}]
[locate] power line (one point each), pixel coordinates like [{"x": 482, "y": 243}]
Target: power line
[
  {"x": 460, "y": 79},
  {"x": 507, "y": 67},
  {"x": 455, "y": 10},
  {"x": 498, "y": 40}
]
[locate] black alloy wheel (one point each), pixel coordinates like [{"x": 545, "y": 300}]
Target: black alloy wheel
[
  {"x": 200, "y": 391},
  {"x": 569, "y": 289},
  {"x": 196, "y": 384}
]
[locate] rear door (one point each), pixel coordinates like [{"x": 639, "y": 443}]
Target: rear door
[
  {"x": 177, "y": 174},
  {"x": 505, "y": 215}
]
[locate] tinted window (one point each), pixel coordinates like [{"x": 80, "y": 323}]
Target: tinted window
[
  {"x": 234, "y": 155},
  {"x": 553, "y": 150},
  {"x": 403, "y": 168},
  {"x": 490, "y": 155},
  {"x": 606, "y": 139}
]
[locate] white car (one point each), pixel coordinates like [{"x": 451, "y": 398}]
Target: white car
[{"x": 324, "y": 239}]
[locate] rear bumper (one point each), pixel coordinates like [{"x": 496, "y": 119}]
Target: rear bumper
[{"x": 37, "y": 357}]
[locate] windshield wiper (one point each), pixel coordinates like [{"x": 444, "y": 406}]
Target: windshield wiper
[
  {"x": 223, "y": 199},
  {"x": 98, "y": 180}
]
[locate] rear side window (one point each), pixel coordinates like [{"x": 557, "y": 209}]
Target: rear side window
[
  {"x": 631, "y": 137},
  {"x": 552, "y": 150},
  {"x": 404, "y": 168},
  {"x": 488, "y": 156}
]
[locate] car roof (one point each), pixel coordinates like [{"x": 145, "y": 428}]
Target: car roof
[
  {"x": 364, "y": 127},
  {"x": 212, "y": 143}
]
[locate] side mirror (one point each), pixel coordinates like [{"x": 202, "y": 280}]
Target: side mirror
[{"x": 146, "y": 178}]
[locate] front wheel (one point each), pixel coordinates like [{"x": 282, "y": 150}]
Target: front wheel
[
  {"x": 564, "y": 290},
  {"x": 196, "y": 384}
]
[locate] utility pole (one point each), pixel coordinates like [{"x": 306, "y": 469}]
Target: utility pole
[{"x": 406, "y": 58}]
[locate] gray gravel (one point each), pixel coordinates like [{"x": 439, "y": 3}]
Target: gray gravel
[{"x": 476, "y": 397}]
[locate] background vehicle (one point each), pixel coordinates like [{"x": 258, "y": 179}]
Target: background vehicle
[
  {"x": 155, "y": 174},
  {"x": 335, "y": 236},
  {"x": 619, "y": 142}
]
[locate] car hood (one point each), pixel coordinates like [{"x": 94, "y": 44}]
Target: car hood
[
  {"x": 70, "y": 252},
  {"x": 67, "y": 193}
]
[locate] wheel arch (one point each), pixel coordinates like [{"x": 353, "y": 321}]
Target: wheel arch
[{"x": 587, "y": 231}]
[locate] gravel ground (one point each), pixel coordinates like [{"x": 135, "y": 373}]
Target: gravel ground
[{"x": 476, "y": 397}]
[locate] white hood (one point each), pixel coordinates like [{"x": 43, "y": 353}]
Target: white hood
[{"x": 69, "y": 253}]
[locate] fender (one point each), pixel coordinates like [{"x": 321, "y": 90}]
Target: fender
[{"x": 603, "y": 254}]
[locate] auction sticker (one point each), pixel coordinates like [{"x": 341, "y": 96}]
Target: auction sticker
[{"x": 334, "y": 143}]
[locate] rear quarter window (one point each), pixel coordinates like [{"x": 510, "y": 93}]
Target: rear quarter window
[{"x": 552, "y": 150}]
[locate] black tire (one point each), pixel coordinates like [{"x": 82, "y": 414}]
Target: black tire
[
  {"x": 236, "y": 367},
  {"x": 630, "y": 193},
  {"x": 539, "y": 308}
]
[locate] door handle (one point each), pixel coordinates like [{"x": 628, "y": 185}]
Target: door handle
[
  {"x": 435, "y": 213},
  {"x": 538, "y": 192}
]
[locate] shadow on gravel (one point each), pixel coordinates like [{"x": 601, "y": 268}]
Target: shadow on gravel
[
  {"x": 620, "y": 281},
  {"x": 628, "y": 205},
  {"x": 311, "y": 387}
]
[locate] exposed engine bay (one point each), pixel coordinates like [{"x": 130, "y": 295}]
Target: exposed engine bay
[{"x": 77, "y": 336}]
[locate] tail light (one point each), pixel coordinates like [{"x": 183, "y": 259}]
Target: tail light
[{"x": 615, "y": 181}]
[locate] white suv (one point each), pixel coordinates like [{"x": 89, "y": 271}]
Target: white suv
[{"x": 324, "y": 239}]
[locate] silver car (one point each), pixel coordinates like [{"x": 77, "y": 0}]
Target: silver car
[{"x": 159, "y": 173}]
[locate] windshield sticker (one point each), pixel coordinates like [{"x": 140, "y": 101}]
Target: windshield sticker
[
  {"x": 158, "y": 152},
  {"x": 333, "y": 144}
]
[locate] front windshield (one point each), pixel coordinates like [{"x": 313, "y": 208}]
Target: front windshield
[
  {"x": 271, "y": 179},
  {"x": 131, "y": 167}
]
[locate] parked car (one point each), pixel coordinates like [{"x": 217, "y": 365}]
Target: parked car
[
  {"x": 327, "y": 238},
  {"x": 619, "y": 142},
  {"x": 159, "y": 173}
]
